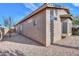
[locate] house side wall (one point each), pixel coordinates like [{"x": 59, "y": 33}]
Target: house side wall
[
  {"x": 35, "y": 27},
  {"x": 69, "y": 27},
  {"x": 57, "y": 30},
  {"x": 38, "y": 27},
  {"x": 48, "y": 31},
  {"x": 17, "y": 28},
  {"x": 57, "y": 27},
  {"x": 61, "y": 12},
  {"x": 68, "y": 21}
]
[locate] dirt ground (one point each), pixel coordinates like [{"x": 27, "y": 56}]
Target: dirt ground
[{"x": 18, "y": 45}]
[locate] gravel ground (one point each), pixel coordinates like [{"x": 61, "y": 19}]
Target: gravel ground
[{"x": 18, "y": 45}]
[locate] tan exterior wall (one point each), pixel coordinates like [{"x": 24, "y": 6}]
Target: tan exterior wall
[
  {"x": 69, "y": 22},
  {"x": 57, "y": 30},
  {"x": 38, "y": 27},
  {"x": 69, "y": 27},
  {"x": 61, "y": 12},
  {"x": 38, "y": 31},
  {"x": 48, "y": 34},
  {"x": 57, "y": 27},
  {"x": 18, "y": 28}
]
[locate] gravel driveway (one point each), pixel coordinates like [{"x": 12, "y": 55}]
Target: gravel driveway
[{"x": 19, "y": 45}]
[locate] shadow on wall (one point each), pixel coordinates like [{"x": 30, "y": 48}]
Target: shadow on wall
[{"x": 21, "y": 39}]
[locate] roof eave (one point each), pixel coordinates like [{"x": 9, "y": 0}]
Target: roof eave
[{"x": 39, "y": 9}]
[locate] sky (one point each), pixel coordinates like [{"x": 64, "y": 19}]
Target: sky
[{"x": 17, "y": 11}]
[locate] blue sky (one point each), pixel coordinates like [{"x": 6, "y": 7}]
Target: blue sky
[{"x": 19, "y": 10}]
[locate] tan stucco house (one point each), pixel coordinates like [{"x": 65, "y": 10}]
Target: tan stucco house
[{"x": 47, "y": 24}]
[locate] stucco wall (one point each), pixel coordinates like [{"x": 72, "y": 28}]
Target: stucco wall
[
  {"x": 69, "y": 22},
  {"x": 69, "y": 27},
  {"x": 36, "y": 32},
  {"x": 57, "y": 30},
  {"x": 18, "y": 28},
  {"x": 48, "y": 34},
  {"x": 61, "y": 12},
  {"x": 38, "y": 27},
  {"x": 57, "y": 25}
]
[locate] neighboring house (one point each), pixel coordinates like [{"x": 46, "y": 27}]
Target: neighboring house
[
  {"x": 3, "y": 31},
  {"x": 47, "y": 24}
]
